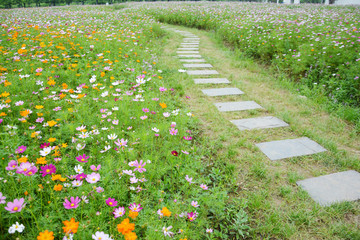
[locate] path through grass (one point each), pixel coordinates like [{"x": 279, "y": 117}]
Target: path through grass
[{"x": 278, "y": 208}]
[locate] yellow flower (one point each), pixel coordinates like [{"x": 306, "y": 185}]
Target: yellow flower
[
  {"x": 51, "y": 123},
  {"x": 51, "y": 139},
  {"x": 39, "y": 106},
  {"x": 64, "y": 145}
]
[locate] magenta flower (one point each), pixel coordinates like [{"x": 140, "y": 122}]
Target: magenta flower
[
  {"x": 93, "y": 178},
  {"x": 1, "y": 120},
  {"x": 145, "y": 110},
  {"x": 94, "y": 168},
  {"x": 73, "y": 203},
  {"x": 82, "y": 158},
  {"x": 44, "y": 145},
  {"x": 81, "y": 176},
  {"x": 119, "y": 212},
  {"x": 111, "y": 202},
  {"x": 187, "y": 138},
  {"x": 47, "y": 170},
  {"x": 173, "y": 131},
  {"x": 192, "y": 216},
  {"x": 139, "y": 166},
  {"x": 135, "y": 207},
  {"x": 12, "y": 165},
  {"x": 15, "y": 206},
  {"x": 20, "y": 149}
]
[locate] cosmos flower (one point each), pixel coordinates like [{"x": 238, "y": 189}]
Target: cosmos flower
[
  {"x": 93, "y": 178},
  {"x": 135, "y": 207},
  {"x": 73, "y": 203},
  {"x": 111, "y": 202},
  {"x": 82, "y": 158},
  {"x": 16, "y": 205}
]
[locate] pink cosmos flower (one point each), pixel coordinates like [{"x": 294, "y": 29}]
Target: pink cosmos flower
[
  {"x": 173, "y": 131},
  {"x": 145, "y": 110},
  {"x": 1, "y": 120},
  {"x": 162, "y": 89},
  {"x": 73, "y": 203},
  {"x": 203, "y": 186},
  {"x": 20, "y": 149},
  {"x": 189, "y": 179},
  {"x": 195, "y": 204},
  {"x": 111, "y": 202},
  {"x": 2, "y": 198},
  {"x": 192, "y": 216},
  {"x": 39, "y": 120},
  {"x": 26, "y": 168},
  {"x": 187, "y": 138},
  {"x": 76, "y": 183},
  {"x": 209, "y": 230},
  {"x": 93, "y": 178},
  {"x": 121, "y": 142},
  {"x": 119, "y": 212},
  {"x": 82, "y": 158},
  {"x": 135, "y": 207},
  {"x": 12, "y": 165},
  {"x": 139, "y": 166},
  {"x": 94, "y": 168},
  {"x": 99, "y": 189},
  {"x": 47, "y": 170},
  {"x": 15, "y": 206}
]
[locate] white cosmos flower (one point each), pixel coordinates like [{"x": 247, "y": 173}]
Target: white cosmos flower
[
  {"x": 45, "y": 151},
  {"x": 112, "y": 136},
  {"x": 16, "y": 227},
  {"x": 155, "y": 129},
  {"x": 79, "y": 169}
]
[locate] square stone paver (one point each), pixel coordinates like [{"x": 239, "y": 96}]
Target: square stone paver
[
  {"x": 187, "y": 43},
  {"x": 210, "y": 80},
  {"x": 188, "y": 49},
  {"x": 288, "y": 148},
  {"x": 202, "y": 72},
  {"x": 237, "y": 106},
  {"x": 189, "y": 56},
  {"x": 198, "y": 65},
  {"x": 192, "y": 60},
  {"x": 182, "y": 52},
  {"x": 193, "y": 38},
  {"x": 214, "y": 92},
  {"x": 259, "y": 123},
  {"x": 333, "y": 188}
]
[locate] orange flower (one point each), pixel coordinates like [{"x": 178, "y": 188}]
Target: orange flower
[
  {"x": 41, "y": 160},
  {"x": 24, "y": 113},
  {"x": 130, "y": 236},
  {"x": 70, "y": 226},
  {"x": 58, "y": 177},
  {"x": 166, "y": 212},
  {"x": 46, "y": 235},
  {"x": 23, "y": 159},
  {"x": 102, "y": 74},
  {"x": 51, "y": 123},
  {"x": 58, "y": 187},
  {"x": 162, "y": 105},
  {"x": 125, "y": 226},
  {"x": 51, "y": 139},
  {"x": 133, "y": 215},
  {"x": 2, "y": 114}
]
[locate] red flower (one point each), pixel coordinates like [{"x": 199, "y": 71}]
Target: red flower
[{"x": 175, "y": 153}]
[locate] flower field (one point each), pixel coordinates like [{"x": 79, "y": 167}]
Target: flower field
[
  {"x": 95, "y": 140},
  {"x": 318, "y": 46}
]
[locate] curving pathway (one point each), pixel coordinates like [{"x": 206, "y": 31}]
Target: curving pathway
[{"x": 325, "y": 190}]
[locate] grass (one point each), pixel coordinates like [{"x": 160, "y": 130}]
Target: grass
[{"x": 277, "y": 207}]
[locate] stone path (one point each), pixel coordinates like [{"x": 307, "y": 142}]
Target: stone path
[{"x": 325, "y": 190}]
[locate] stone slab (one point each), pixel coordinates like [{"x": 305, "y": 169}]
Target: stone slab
[
  {"x": 333, "y": 188},
  {"x": 186, "y": 44},
  {"x": 183, "y": 52},
  {"x": 211, "y": 80},
  {"x": 189, "y": 56},
  {"x": 193, "y": 38},
  {"x": 214, "y": 92},
  {"x": 197, "y": 65},
  {"x": 277, "y": 150},
  {"x": 202, "y": 72},
  {"x": 259, "y": 123},
  {"x": 237, "y": 106},
  {"x": 193, "y": 42},
  {"x": 192, "y": 60},
  {"x": 188, "y": 49}
]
